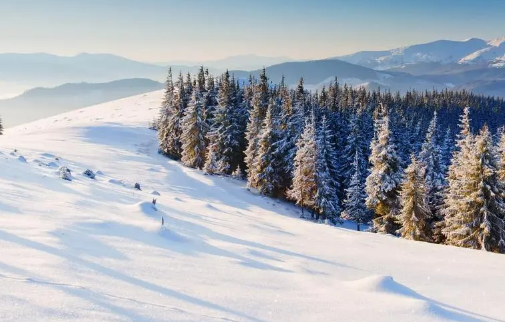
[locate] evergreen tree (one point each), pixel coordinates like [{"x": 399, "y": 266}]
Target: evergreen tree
[
  {"x": 170, "y": 124},
  {"x": 456, "y": 176},
  {"x": 430, "y": 157},
  {"x": 266, "y": 177},
  {"x": 355, "y": 208},
  {"x": 356, "y": 143},
  {"x": 1, "y": 127},
  {"x": 501, "y": 156},
  {"x": 304, "y": 189},
  {"x": 256, "y": 117},
  {"x": 226, "y": 131},
  {"x": 326, "y": 202},
  {"x": 211, "y": 163},
  {"x": 476, "y": 220},
  {"x": 446, "y": 149},
  {"x": 415, "y": 214},
  {"x": 382, "y": 184},
  {"x": 194, "y": 130}
]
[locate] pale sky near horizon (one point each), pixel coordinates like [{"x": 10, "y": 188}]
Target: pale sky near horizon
[{"x": 197, "y": 30}]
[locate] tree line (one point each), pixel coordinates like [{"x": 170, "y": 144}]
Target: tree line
[{"x": 411, "y": 165}]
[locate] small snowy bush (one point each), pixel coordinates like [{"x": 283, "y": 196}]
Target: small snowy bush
[
  {"x": 88, "y": 173},
  {"x": 65, "y": 173}
]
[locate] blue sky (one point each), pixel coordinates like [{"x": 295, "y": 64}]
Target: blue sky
[{"x": 164, "y": 30}]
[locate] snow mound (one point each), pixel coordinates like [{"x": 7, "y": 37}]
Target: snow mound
[
  {"x": 22, "y": 159},
  {"x": 146, "y": 208},
  {"x": 383, "y": 284}
]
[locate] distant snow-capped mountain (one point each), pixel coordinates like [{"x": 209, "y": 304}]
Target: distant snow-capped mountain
[{"x": 469, "y": 51}]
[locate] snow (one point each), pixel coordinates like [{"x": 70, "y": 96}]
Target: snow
[{"x": 95, "y": 250}]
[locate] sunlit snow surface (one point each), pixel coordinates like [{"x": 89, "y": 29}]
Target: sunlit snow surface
[{"x": 94, "y": 250}]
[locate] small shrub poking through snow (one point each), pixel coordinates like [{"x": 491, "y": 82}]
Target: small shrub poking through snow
[
  {"x": 137, "y": 186},
  {"x": 65, "y": 173},
  {"x": 88, "y": 173}
]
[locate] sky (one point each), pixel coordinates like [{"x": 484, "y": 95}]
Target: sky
[{"x": 199, "y": 30}]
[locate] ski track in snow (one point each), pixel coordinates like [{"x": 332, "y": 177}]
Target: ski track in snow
[{"x": 94, "y": 250}]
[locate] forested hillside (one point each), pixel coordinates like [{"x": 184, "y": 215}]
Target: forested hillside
[{"x": 424, "y": 165}]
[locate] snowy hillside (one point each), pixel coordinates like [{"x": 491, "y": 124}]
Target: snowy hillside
[
  {"x": 94, "y": 250},
  {"x": 494, "y": 53}
]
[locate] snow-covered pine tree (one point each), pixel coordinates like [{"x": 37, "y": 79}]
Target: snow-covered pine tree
[
  {"x": 431, "y": 158},
  {"x": 226, "y": 132},
  {"x": 383, "y": 182},
  {"x": 455, "y": 193},
  {"x": 446, "y": 150},
  {"x": 501, "y": 156},
  {"x": 210, "y": 98},
  {"x": 303, "y": 190},
  {"x": 168, "y": 97},
  {"x": 211, "y": 166},
  {"x": 238, "y": 173},
  {"x": 170, "y": 126},
  {"x": 194, "y": 131},
  {"x": 355, "y": 208},
  {"x": 326, "y": 203},
  {"x": 266, "y": 176},
  {"x": 256, "y": 117},
  {"x": 1, "y": 127},
  {"x": 356, "y": 143},
  {"x": 477, "y": 219},
  {"x": 415, "y": 215}
]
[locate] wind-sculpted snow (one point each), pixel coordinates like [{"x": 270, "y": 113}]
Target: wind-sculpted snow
[{"x": 96, "y": 250}]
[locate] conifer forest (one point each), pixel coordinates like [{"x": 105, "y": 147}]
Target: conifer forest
[{"x": 427, "y": 166}]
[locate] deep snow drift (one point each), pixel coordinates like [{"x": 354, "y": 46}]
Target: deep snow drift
[{"x": 94, "y": 249}]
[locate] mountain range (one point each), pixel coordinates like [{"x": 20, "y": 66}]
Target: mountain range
[
  {"x": 471, "y": 51},
  {"x": 474, "y": 64}
]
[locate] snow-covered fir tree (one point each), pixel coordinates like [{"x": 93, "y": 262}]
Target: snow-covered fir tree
[
  {"x": 446, "y": 150},
  {"x": 171, "y": 130},
  {"x": 226, "y": 131},
  {"x": 356, "y": 143},
  {"x": 211, "y": 166},
  {"x": 431, "y": 158},
  {"x": 477, "y": 218},
  {"x": 304, "y": 187},
  {"x": 166, "y": 110},
  {"x": 194, "y": 131},
  {"x": 326, "y": 200},
  {"x": 354, "y": 204},
  {"x": 383, "y": 182},
  {"x": 256, "y": 117},
  {"x": 265, "y": 175},
  {"x": 415, "y": 215},
  {"x": 501, "y": 156},
  {"x": 292, "y": 122}
]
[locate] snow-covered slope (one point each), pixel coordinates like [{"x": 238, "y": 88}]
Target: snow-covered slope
[
  {"x": 472, "y": 50},
  {"x": 494, "y": 53},
  {"x": 94, "y": 250}
]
